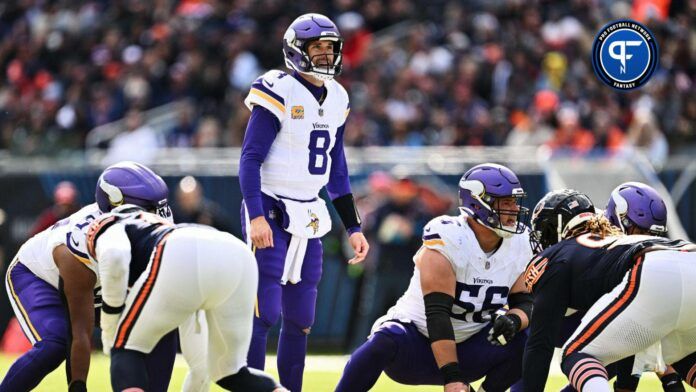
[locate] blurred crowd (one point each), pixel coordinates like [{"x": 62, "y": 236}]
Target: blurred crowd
[{"x": 441, "y": 72}]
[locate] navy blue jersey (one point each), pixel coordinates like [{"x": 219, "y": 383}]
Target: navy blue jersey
[
  {"x": 144, "y": 232},
  {"x": 574, "y": 274}
]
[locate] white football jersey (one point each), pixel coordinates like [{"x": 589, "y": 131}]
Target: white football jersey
[
  {"x": 483, "y": 282},
  {"x": 37, "y": 253},
  {"x": 299, "y": 161}
]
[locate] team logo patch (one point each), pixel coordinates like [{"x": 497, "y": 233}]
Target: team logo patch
[
  {"x": 624, "y": 54},
  {"x": 297, "y": 112},
  {"x": 313, "y": 222}
]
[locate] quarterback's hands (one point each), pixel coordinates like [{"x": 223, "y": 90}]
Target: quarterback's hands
[
  {"x": 505, "y": 326},
  {"x": 260, "y": 233},
  {"x": 108, "y": 325},
  {"x": 360, "y": 247},
  {"x": 456, "y": 387}
]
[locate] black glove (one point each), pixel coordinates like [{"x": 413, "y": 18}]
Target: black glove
[{"x": 504, "y": 328}]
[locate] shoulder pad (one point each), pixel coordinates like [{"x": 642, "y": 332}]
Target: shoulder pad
[{"x": 270, "y": 91}]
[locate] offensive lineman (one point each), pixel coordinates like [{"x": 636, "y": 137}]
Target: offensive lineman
[
  {"x": 45, "y": 271},
  {"x": 469, "y": 267},
  {"x": 293, "y": 147}
]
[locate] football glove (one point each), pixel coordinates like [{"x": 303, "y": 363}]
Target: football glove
[{"x": 504, "y": 328}]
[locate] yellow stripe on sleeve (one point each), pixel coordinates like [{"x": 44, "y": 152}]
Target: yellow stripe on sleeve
[
  {"x": 268, "y": 99},
  {"x": 433, "y": 242}
]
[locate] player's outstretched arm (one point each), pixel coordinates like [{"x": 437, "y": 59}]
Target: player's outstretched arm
[
  {"x": 438, "y": 282},
  {"x": 77, "y": 284}
]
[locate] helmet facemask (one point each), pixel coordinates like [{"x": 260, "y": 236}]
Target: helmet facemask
[
  {"x": 301, "y": 33},
  {"x": 505, "y": 221}
]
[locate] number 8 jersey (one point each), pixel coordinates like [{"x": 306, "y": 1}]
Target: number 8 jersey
[
  {"x": 299, "y": 161},
  {"x": 483, "y": 281}
]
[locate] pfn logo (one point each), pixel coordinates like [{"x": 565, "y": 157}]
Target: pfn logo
[
  {"x": 624, "y": 54},
  {"x": 621, "y": 54}
]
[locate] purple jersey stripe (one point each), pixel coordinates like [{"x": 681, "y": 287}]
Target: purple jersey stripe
[{"x": 433, "y": 236}]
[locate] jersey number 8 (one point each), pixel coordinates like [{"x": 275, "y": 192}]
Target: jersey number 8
[{"x": 318, "y": 146}]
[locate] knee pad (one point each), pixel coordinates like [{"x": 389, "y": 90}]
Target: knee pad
[
  {"x": 580, "y": 367},
  {"x": 128, "y": 370},
  {"x": 686, "y": 368}
]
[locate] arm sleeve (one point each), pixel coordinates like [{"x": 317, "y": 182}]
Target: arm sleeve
[
  {"x": 261, "y": 131},
  {"x": 113, "y": 252},
  {"x": 551, "y": 297},
  {"x": 339, "y": 183}
]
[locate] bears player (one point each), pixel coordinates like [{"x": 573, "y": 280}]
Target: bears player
[
  {"x": 636, "y": 291},
  {"x": 469, "y": 267},
  {"x": 155, "y": 276},
  {"x": 635, "y": 208},
  {"x": 45, "y": 271},
  {"x": 292, "y": 148}
]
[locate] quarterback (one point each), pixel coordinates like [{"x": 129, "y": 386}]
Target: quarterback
[{"x": 292, "y": 148}]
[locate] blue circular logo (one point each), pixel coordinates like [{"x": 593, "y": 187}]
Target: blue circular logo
[{"x": 624, "y": 54}]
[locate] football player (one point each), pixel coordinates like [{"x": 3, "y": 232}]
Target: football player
[
  {"x": 50, "y": 268},
  {"x": 636, "y": 291},
  {"x": 155, "y": 276},
  {"x": 469, "y": 267},
  {"x": 292, "y": 148},
  {"x": 637, "y": 208}
]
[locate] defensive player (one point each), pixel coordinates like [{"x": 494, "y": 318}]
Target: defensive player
[
  {"x": 293, "y": 147},
  {"x": 469, "y": 267},
  {"x": 45, "y": 272},
  {"x": 635, "y": 208},
  {"x": 155, "y": 276},
  {"x": 637, "y": 288}
]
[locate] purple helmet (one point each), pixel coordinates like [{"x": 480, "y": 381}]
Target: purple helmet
[
  {"x": 480, "y": 186},
  {"x": 638, "y": 206},
  {"x": 302, "y": 31},
  {"x": 132, "y": 183}
]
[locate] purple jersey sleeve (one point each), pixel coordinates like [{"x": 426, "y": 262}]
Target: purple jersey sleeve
[
  {"x": 339, "y": 183},
  {"x": 261, "y": 130}
]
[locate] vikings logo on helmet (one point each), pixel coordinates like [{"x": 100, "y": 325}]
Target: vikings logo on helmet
[
  {"x": 313, "y": 222},
  {"x": 634, "y": 205}
]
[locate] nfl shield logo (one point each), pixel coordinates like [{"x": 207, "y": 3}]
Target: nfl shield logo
[{"x": 321, "y": 112}]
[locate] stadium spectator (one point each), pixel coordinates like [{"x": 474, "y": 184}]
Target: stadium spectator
[
  {"x": 193, "y": 207},
  {"x": 138, "y": 143},
  {"x": 434, "y": 80},
  {"x": 65, "y": 203}
]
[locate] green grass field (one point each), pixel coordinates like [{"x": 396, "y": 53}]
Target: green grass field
[{"x": 321, "y": 375}]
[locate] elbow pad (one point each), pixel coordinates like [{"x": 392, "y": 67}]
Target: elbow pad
[{"x": 438, "y": 308}]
